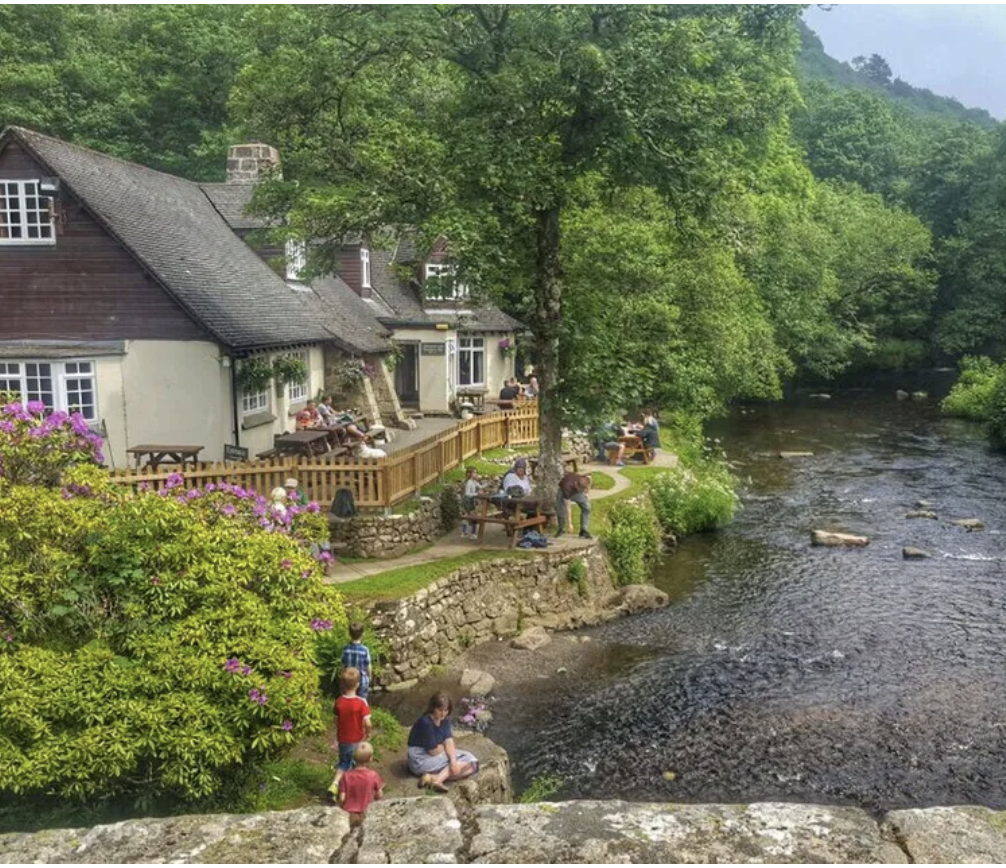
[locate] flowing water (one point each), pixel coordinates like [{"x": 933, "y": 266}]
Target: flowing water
[{"x": 786, "y": 672}]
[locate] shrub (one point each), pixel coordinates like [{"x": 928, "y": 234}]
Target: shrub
[
  {"x": 995, "y": 425},
  {"x": 632, "y": 540},
  {"x": 152, "y": 643},
  {"x": 971, "y": 395},
  {"x": 576, "y": 572},
  {"x": 328, "y": 647},
  {"x": 388, "y": 734},
  {"x": 541, "y": 788},
  {"x": 450, "y": 508},
  {"x": 689, "y": 501},
  {"x": 36, "y": 446}
]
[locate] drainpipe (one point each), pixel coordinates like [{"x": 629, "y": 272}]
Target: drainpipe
[{"x": 234, "y": 403}]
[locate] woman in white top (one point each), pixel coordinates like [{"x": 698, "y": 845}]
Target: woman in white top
[{"x": 517, "y": 477}]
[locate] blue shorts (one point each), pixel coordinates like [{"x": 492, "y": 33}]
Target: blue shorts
[{"x": 346, "y": 752}]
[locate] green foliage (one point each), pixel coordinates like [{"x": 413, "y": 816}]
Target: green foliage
[
  {"x": 690, "y": 501},
  {"x": 601, "y": 481},
  {"x": 283, "y": 784},
  {"x": 971, "y": 395},
  {"x": 632, "y": 541},
  {"x": 541, "y": 788},
  {"x": 153, "y": 644},
  {"x": 996, "y": 424},
  {"x": 450, "y": 508},
  {"x": 576, "y": 574},
  {"x": 389, "y": 734},
  {"x": 289, "y": 369},
  {"x": 254, "y": 374},
  {"x": 37, "y": 447},
  {"x": 329, "y": 644}
]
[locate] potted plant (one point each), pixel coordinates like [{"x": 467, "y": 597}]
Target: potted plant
[
  {"x": 506, "y": 347},
  {"x": 289, "y": 369}
]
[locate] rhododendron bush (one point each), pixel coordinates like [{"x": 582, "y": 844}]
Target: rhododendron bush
[{"x": 150, "y": 642}]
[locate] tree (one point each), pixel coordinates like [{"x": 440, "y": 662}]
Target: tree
[
  {"x": 874, "y": 67},
  {"x": 498, "y": 115}
]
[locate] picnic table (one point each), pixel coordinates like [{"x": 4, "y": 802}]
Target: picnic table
[
  {"x": 634, "y": 446},
  {"x": 570, "y": 462},
  {"x": 310, "y": 442},
  {"x": 159, "y": 454},
  {"x": 527, "y": 512},
  {"x": 475, "y": 397}
]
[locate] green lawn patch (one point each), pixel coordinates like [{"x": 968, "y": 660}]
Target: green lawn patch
[
  {"x": 602, "y": 481},
  {"x": 394, "y": 584},
  {"x": 638, "y": 477}
]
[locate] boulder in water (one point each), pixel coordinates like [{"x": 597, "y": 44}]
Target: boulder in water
[
  {"x": 821, "y": 396},
  {"x": 902, "y": 395},
  {"x": 923, "y": 504},
  {"x": 969, "y": 523},
  {"x": 796, "y": 454},
  {"x": 921, "y": 513},
  {"x": 833, "y": 539},
  {"x": 920, "y": 396},
  {"x": 641, "y": 598},
  {"x": 910, "y": 553}
]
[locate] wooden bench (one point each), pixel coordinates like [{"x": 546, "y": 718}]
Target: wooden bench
[
  {"x": 512, "y": 525},
  {"x": 633, "y": 446}
]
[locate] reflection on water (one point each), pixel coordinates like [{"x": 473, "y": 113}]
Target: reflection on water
[{"x": 786, "y": 672}]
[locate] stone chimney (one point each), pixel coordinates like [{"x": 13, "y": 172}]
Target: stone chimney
[{"x": 248, "y": 164}]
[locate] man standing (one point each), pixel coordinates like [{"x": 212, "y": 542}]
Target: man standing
[{"x": 573, "y": 488}]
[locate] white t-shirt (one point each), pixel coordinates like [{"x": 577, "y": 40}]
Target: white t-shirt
[
  {"x": 513, "y": 479},
  {"x": 472, "y": 487}
]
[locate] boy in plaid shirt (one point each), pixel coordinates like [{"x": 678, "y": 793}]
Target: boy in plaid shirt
[{"x": 357, "y": 656}]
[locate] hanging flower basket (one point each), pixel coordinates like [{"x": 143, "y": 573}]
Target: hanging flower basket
[
  {"x": 254, "y": 375},
  {"x": 289, "y": 369},
  {"x": 506, "y": 347}
]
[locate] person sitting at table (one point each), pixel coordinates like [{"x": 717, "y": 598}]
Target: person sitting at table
[
  {"x": 510, "y": 390},
  {"x": 326, "y": 410},
  {"x": 516, "y": 484},
  {"x": 531, "y": 389},
  {"x": 309, "y": 417},
  {"x": 649, "y": 432}
]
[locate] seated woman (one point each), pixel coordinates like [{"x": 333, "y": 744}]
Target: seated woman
[
  {"x": 432, "y": 754},
  {"x": 516, "y": 483}
]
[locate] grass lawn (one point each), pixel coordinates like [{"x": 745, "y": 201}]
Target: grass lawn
[
  {"x": 638, "y": 477},
  {"x": 602, "y": 481},
  {"x": 403, "y": 581}
]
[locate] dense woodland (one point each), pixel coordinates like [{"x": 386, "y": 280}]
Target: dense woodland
[{"x": 685, "y": 204}]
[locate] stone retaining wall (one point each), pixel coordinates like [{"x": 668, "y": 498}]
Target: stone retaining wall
[
  {"x": 432, "y": 830},
  {"x": 490, "y": 600},
  {"x": 387, "y": 536}
]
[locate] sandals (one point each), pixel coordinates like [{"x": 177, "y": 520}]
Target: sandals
[{"x": 428, "y": 782}]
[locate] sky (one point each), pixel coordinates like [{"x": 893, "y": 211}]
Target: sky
[{"x": 954, "y": 50}]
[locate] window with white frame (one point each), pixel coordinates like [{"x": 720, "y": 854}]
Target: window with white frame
[
  {"x": 440, "y": 282},
  {"x": 25, "y": 217},
  {"x": 67, "y": 386},
  {"x": 300, "y": 390},
  {"x": 364, "y": 268},
  {"x": 296, "y": 258},
  {"x": 254, "y": 402},
  {"x": 471, "y": 361}
]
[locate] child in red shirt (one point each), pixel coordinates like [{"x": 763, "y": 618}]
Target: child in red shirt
[
  {"x": 352, "y": 716},
  {"x": 360, "y": 785}
]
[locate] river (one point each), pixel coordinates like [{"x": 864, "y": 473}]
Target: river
[{"x": 785, "y": 672}]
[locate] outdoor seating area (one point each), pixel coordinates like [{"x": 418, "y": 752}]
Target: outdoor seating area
[
  {"x": 514, "y": 514},
  {"x": 633, "y": 446},
  {"x": 156, "y": 455}
]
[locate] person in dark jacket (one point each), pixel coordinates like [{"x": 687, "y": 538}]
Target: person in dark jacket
[{"x": 573, "y": 488}]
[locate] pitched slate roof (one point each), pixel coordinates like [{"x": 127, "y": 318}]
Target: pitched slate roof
[
  {"x": 231, "y": 200},
  {"x": 173, "y": 229},
  {"x": 356, "y": 328}
]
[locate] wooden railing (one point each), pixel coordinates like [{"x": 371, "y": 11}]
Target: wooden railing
[{"x": 375, "y": 482}]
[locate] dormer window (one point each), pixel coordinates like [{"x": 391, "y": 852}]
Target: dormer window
[
  {"x": 296, "y": 258},
  {"x": 364, "y": 268},
  {"x": 440, "y": 282},
  {"x": 25, "y": 215}
]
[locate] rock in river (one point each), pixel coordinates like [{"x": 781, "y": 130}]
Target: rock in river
[
  {"x": 921, "y": 513},
  {"x": 830, "y": 538},
  {"x": 969, "y": 523},
  {"x": 477, "y": 682},
  {"x": 796, "y": 454},
  {"x": 910, "y": 553}
]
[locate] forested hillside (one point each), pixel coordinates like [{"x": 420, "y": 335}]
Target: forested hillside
[{"x": 684, "y": 205}]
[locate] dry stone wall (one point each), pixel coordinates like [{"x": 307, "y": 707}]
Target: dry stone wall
[
  {"x": 435, "y": 830},
  {"x": 386, "y": 536},
  {"x": 490, "y": 600}
]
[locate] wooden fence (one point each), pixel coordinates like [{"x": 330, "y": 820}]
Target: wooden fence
[{"x": 375, "y": 482}]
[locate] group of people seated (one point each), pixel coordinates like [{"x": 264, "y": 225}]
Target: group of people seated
[
  {"x": 344, "y": 429},
  {"x": 512, "y": 390},
  {"x": 610, "y": 446}
]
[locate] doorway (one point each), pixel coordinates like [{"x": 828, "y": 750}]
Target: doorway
[{"x": 407, "y": 374}]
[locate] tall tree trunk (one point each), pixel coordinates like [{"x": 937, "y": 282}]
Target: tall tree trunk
[{"x": 548, "y": 310}]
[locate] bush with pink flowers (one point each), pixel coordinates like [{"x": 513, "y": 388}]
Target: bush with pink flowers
[
  {"x": 37, "y": 446},
  {"x": 151, "y": 643}
]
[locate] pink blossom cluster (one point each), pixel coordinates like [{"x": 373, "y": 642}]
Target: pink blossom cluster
[{"x": 31, "y": 436}]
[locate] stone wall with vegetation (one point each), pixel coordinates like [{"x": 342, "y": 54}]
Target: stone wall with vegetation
[
  {"x": 387, "y": 536},
  {"x": 436, "y": 830},
  {"x": 494, "y": 599}
]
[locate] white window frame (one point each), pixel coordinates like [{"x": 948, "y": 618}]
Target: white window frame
[
  {"x": 365, "y": 268},
  {"x": 295, "y": 252},
  {"x": 43, "y": 216},
  {"x": 297, "y": 392},
  {"x": 471, "y": 345},
  {"x": 58, "y": 377},
  {"x": 436, "y": 270},
  {"x": 254, "y": 402}
]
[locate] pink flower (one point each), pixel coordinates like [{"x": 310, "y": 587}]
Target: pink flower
[{"x": 287, "y": 725}]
